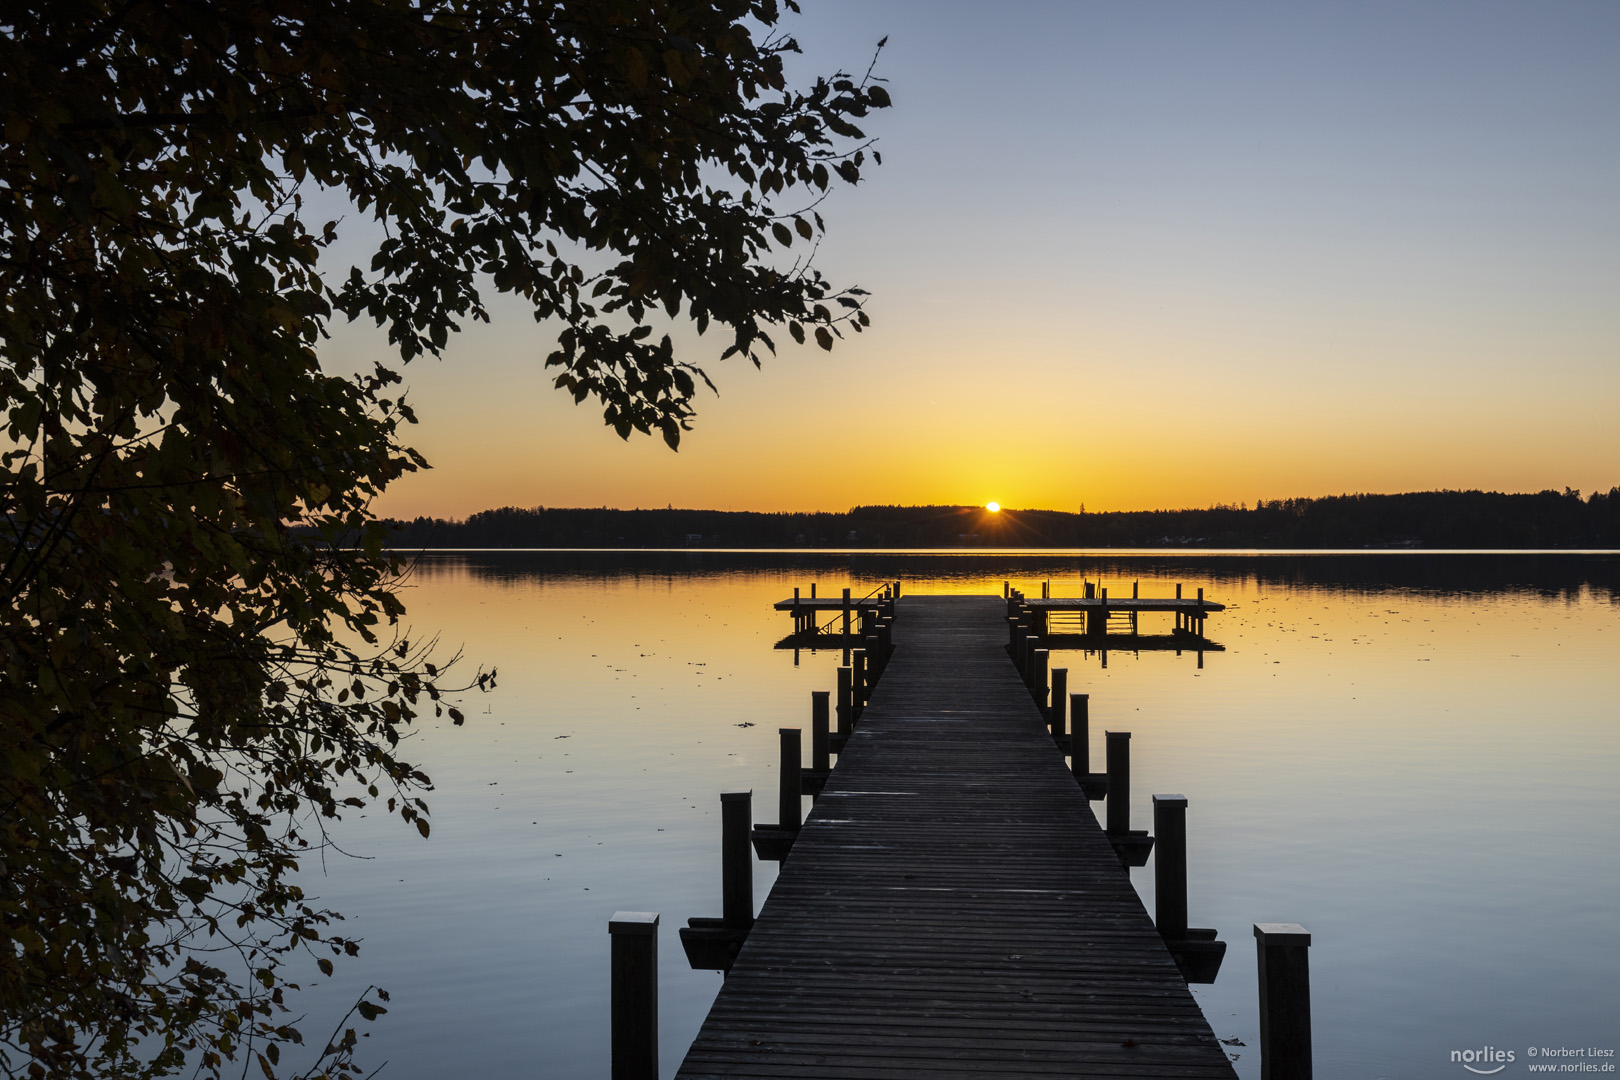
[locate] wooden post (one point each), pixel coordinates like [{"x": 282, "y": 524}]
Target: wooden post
[
  {"x": 1060, "y": 699},
  {"x": 1032, "y": 645},
  {"x": 1119, "y": 782},
  {"x": 1285, "y": 1000},
  {"x": 820, "y": 758},
  {"x": 1170, "y": 866},
  {"x": 846, "y": 701},
  {"x": 1134, "y": 589},
  {"x": 874, "y": 663},
  {"x": 634, "y": 994},
  {"x": 736, "y": 859},
  {"x": 1080, "y": 744},
  {"x": 791, "y": 811},
  {"x": 858, "y": 666},
  {"x": 812, "y": 590},
  {"x": 846, "y": 626},
  {"x": 897, "y": 588},
  {"x": 1006, "y": 589},
  {"x": 1178, "y": 590},
  {"x": 1041, "y": 658}
]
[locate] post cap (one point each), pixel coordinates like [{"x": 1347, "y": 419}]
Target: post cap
[
  {"x": 1117, "y": 734},
  {"x": 819, "y": 693},
  {"x": 1170, "y": 800},
  {"x": 1281, "y": 933},
  {"x": 640, "y": 923},
  {"x": 736, "y": 796},
  {"x": 792, "y": 732}
]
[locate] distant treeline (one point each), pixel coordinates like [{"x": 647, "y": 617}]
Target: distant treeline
[{"x": 1428, "y": 519}]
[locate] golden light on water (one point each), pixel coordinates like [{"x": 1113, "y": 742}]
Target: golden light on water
[{"x": 992, "y": 507}]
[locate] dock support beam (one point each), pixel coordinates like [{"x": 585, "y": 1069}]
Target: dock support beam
[
  {"x": 791, "y": 805},
  {"x": 1118, "y": 760},
  {"x": 815, "y": 777},
  {"x": 846, "y": 626},
  {"x": 1170, "y": 866},
  {"x": 635, "y": 994},
  {"x": 1285, "y": 1000},
  {"x": 1095, "y": 785},
  {"x": 773, "y": 842},
  {"x": 846, "y": 705},
  {"x": 1058, "y": 719},
  {"x": 1194, "y": 949},
  {"x": 1132, "y": 845},
  {"x": 736, "y": 860},
  {"x": 712, "y": 944}
]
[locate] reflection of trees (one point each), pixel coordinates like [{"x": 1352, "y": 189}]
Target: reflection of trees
[{"x": 1550, "y": 574}]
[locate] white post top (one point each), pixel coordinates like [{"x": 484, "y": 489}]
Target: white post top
[
  {"x": 633, "y": 922},
  {"x": 1281, "y": 933}
]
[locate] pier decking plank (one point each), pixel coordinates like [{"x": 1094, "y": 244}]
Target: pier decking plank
[{"x": 952, "y": 907}]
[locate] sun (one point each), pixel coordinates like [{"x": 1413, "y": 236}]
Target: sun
[{"x": 993, "y": 507}]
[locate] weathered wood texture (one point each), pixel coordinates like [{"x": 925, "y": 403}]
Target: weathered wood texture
[{"x": 951, "y": 907}]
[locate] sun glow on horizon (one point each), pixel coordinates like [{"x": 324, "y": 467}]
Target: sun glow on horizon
[{"x": 993, "y": 507}]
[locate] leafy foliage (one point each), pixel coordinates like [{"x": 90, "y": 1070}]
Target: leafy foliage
[{"x": 203, "y": 660}]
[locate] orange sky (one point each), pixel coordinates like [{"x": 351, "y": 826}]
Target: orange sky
[{"x": 1139, "y": 262}]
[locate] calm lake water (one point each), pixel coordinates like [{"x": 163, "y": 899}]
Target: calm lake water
[{"x": 1414, "y": 755}]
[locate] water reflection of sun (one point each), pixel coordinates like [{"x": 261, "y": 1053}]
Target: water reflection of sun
[{"x": 993, "y": 507}]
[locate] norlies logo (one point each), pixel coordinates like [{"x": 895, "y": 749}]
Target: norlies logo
[{"x": 1485, "y": 1055}]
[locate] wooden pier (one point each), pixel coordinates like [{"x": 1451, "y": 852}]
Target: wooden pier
[{"x": 951, "y": 906}]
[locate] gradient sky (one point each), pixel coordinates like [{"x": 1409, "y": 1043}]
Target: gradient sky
[{"x": 1137, "y": 255}]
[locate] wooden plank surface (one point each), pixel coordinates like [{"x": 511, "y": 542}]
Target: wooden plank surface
[{"x": 952, "y": 907}]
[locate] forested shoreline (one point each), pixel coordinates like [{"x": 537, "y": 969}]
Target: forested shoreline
[{"x": 1431, "y": 519}]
